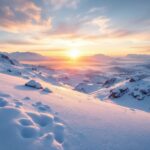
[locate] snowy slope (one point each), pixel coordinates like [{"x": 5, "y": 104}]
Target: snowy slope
[
  {"x": 38, "y": 114},
  {"x": 65, "y": 119}
]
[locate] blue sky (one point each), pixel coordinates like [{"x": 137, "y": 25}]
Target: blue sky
[{"x": 51, "y": 27}]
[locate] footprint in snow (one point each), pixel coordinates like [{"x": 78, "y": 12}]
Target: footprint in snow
[
  {"x": 48, "y": 138},
  {"x": 27, "y": 99},
  {"x": 38, "y": 126},
  {"x": 42, "y": 120},
  {"x": 33, "y": 126},
  {"x": 29, "y": 132},
  {"x": 57, "y": 119},
  {"x": 39, "y": 123},
  {"x": 26, "y": 122},
  {"x": 3, "y": 102},
  {"x": 41, "y": 107},
  {"x": 4, "y": 95},
  {"x": 18, "y": 104},
  {"x": 59, "y": 132}
]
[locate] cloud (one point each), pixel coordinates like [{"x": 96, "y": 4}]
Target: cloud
[
  {"x": 27, "y": 16},
  {"x": 57, "y": 4},
  {"x": 22, "y": 16},
  {"x": 16, "y": 42},
  {"x": 87, "y": 28},
  {"x": 63, "y": 29},
  {"x": 36, "y": 29},
  {"x": 142, "y": 49},
  {"x": 102, "y": 23},
  {"x": 97, "y": 10}
]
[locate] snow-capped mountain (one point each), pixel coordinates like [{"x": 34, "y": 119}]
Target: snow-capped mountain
[
  {"x": 26, "y": 56},
  {"x": 101, "y": 58}
]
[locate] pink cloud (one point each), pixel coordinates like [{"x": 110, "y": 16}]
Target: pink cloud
[{"x": 22, "y": 16}]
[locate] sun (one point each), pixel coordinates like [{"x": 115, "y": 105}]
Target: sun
[{"x": 74, "y": 54}]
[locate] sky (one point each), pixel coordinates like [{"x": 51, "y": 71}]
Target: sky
[{"x": 53, "y": 27}]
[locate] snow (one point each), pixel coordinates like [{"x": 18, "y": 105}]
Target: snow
[
  {"x": 48, "y": 115},
  {"x": 86, "y": 87},
  {"x": 118, "y": 92},
  {"x": 69, "y": 120},
  {"x": 6, "y": 59},
  {"x": 26, "y": 125}
]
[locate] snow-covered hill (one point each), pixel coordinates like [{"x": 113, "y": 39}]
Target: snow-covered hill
[
  {"x": 38, "y": 113},
  {"x": 65, "y": 119}
]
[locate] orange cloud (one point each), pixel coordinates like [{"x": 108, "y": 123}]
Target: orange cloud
[{"x": 22, "y": 16}]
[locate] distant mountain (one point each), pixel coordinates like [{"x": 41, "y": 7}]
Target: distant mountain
[
  {"x": 26, "y": 56},
  {"x": 100, "y": 58},
  {"x": 138, "y": 56}
]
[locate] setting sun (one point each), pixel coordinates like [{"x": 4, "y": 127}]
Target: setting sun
[{"x": 74, "y": 54}]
